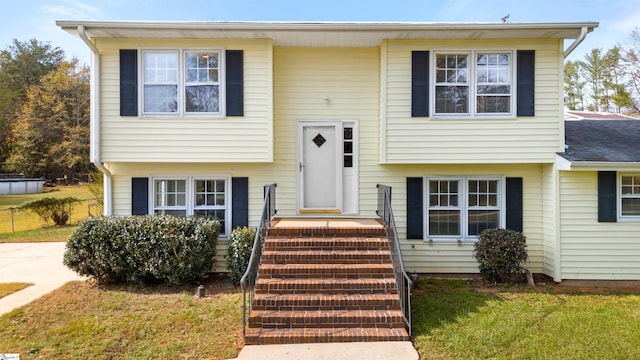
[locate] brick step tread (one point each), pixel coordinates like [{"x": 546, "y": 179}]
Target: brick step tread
[
  {"x": 325, "y": 270},
  {"x": 326, "y": 256},
  {"x": 300, "y": 302},
  {"x": 335, "y": 318},
  {"x": 259, "y": 336},
  {"x": 324, "y": 231},
  {"x": 330, "y": 286},
  {"x": 326, "y": 243}
]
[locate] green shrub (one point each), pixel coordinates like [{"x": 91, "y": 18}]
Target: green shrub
[
  {"x": 239, "y": 246},
  {"x": 500, "y": 254},
  {"x": 57, "y": 210},
  {"x": 141, "y": 249}
]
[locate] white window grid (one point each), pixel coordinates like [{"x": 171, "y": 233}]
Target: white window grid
[
  {"x": 190, "y": 204},
  {"x": 629, "y": 188},
  {"x": 463, "y": 206},
  {"x": 181, "y": 83},
  {"x": 473, "y": 83}
]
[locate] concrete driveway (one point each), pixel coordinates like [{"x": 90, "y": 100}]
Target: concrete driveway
[{"x": 37, "y": 263}]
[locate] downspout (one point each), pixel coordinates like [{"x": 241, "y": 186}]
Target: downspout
[
  {"x": 95, "y": 120},
  {"x": 577, "y": 41}
]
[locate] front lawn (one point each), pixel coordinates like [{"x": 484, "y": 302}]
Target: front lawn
[
  {"x": 83, "y": 320},
  {"x": 10, "y": 288},
  {"x": 454, "y": 320}
]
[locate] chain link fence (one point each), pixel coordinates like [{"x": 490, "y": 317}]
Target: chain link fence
[{"x": 14, "y": 219}]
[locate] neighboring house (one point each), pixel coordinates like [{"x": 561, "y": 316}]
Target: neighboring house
[{"x": 463, "y": 120}]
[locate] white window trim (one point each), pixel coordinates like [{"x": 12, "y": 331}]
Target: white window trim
[
  {"x": 472, "y": 81},
  {"x": 463, "y": 200},
  {"x": 190, "y": 195},
  {"x": 619, "y": 196},
  {"x": 181, "y": 113}
]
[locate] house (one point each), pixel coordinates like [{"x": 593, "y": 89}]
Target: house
[{"x": 464, "y": 121}]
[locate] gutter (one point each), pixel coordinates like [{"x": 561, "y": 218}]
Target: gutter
[
  {"x": 95, "y": 121},
  {"x": 577, "y": 41}
]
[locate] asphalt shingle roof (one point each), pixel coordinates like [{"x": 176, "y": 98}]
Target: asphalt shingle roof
[{"x": 602, "y": 140}]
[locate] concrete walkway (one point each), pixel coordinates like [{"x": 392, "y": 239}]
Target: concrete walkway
[
  {"x": 381, "y": 350},
  {"x": 37, "y": 263}
]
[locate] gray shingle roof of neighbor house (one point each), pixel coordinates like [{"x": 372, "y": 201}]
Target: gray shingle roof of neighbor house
[{"x": 602, "y": 141}]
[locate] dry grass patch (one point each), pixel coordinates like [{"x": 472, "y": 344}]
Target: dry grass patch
[
  {"x": 10, "y": 288},
  {"x": 89, "y": 321}
]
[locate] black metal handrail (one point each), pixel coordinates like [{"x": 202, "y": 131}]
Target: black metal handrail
[
  {"x": 403, "y": 280},
  {"x": 248, "y": 281}
]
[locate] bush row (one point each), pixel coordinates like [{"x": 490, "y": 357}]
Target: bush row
[{"x": 142, "y": 249}]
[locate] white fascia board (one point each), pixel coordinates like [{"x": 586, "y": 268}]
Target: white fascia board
[{"x": 566, "y": 165}]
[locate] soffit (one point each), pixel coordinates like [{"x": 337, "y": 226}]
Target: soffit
[{"x": 326, "y": 34}]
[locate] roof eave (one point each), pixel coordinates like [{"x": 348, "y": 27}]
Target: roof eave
[{"x": 569, "y": 165}]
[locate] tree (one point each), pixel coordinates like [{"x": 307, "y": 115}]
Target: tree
[
  {"x": 594, "y": 73},
  {"x": 51, "y": 133},
  {"x": 631, "y": 61},
  {"x": 22, "y": 65},
  {"x": 573, "y": 86}
]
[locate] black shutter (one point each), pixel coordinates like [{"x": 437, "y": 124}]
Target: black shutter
[
  {"x": 415, "y": 214},
  {"x": 128, "y": 82},
  {"x": 526, "y": 82},
  {"x": 607, "y": 198},
  {"x": 419, "y": 83},
  {"x": 235, "y": 101},
  {"x": 514, "y": 204},
  {"x": 240, "y": 202},
  {"x": 139, "y": 196}
]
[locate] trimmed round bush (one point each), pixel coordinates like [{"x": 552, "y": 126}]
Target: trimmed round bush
[
  {"x": 144, "y": 249},
  {"x": 501, "y": 254},
  {"x": 239, "y": 246}
]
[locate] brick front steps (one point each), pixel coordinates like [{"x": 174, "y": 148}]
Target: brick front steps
[{"x": 327, "y": 283}]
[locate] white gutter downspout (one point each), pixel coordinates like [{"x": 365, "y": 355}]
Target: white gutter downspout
[
  {"x": 577, "y": 41},
  {"x": 95, "y": 120}
]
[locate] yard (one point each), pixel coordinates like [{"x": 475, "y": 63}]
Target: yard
[
  {"x": 452, "y": 319},
  {"x": 27, "y": 226}
]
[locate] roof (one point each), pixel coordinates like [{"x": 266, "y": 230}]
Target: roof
[
  {"x": 339, "y": 34},
  {"x": 602, "y": 141},
  {"x": 591, "y": 115}
]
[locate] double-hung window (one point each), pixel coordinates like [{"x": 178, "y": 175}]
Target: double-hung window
[
  {"x": 193, "y": 196},
  {"x": 474, "y": 83},
  {"x": 461, "y": 207},
  {"x": 630, "y": 196},
  {"x": 182, "y": 82}
]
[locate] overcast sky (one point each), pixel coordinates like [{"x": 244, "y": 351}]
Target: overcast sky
[{"x": 26, "y": 19}]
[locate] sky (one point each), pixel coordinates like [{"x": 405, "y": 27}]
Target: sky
[{"x": 27, "y": 19}]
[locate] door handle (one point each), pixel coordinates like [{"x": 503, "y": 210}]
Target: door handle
[{"x": 300, "y": 166}]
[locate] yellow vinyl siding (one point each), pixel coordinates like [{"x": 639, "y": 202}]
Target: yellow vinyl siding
[
  {"x": 589, "y": 249},
  {"x": 245, "y": 138},
  {"x": 425, "y": 140}
]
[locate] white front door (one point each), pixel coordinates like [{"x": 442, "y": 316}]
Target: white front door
[{"x": 320, "y": 166}]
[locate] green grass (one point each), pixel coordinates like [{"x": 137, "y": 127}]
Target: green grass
[
  {"x": 85, "y": 321},
  {"x": 10, "y": 288},
  {"x": 27, "y": 220},
  {"x": 47, "y": 234},
  {"x": 453, "y": 320}
]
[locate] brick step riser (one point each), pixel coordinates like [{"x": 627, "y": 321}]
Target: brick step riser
[
  {"x": 382, "y": 322},
  {"x": 327, "y": 290},
  {"x": 278, "y": 260},
  {"x": 334, "y": 305},
  {"x": 315, "y": 275},
  {"x": 329, "y": 244},
  {"x": 356, "y": 325},
  {"x": 325, "y": 232},
  {"x": 320, "y": 335}
]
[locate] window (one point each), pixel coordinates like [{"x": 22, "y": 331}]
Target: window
[
  {"x": 630, "y": 196},
  {"x": 181, "y": 82},
  {"x": 473, "y": 84},
  {"x": 347, "y": 147},
  {"x": 462, "y": 207},
  {"x": 193, "y": 196}
]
